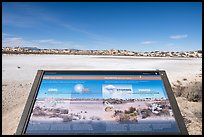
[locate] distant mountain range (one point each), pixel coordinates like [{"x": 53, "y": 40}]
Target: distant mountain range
[{"x": 31, "y": 48}]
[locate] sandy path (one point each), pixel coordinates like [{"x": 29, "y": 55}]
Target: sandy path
[{"x": 17, "y": 82}]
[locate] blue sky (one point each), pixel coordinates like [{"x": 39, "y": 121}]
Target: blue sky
[{"x": 135, "y": 26}]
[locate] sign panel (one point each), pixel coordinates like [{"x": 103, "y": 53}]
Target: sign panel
[{"x": 100, "y": 103}]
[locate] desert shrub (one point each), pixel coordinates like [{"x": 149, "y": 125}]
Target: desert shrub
[
  {"x": 39, "y": 113},
  {"x": 186, "y": 121},
  {"x": 145, "y": 113},
  {"x": 198, "y": 114},
  {"x": 67, "y": 118},
  {"x": 126, "y": 112},
  {"x": 194, "y": 96},
  {"x": 37, "y": 108},
  {"x": 133, "y": 114},
  {"x": 132, "y": 109},
  {"x": 64, "y": 111},
  {"x": 179, "y": 90},
  {"x": 54, "y": 115},
  {"x": 57, "y": 110},
  {"x": 118, "y": 112},
  {"x": 194, "y": 92},
  {"x": 165, "y": 112},
  {"x": 124, "y": 118},
  {"x": 95, "y": 118}
]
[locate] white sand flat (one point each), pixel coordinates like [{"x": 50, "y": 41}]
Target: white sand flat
[{"x": 17, "y": 81}]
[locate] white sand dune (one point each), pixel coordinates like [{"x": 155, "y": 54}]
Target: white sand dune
[{"x": 18, "y": 73}]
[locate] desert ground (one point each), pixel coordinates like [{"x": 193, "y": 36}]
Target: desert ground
[{"x": 18, "y": 73}]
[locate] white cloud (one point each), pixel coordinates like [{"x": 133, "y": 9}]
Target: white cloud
[
  {"x": 5, "y": 34},
  {"x": 19, "y": 21},
  {"x": 49, "y": 41},
  {"x": 13, "y": 41},
  {"x": 148, "y": 42},
  {"x": 178, "y": 36}
]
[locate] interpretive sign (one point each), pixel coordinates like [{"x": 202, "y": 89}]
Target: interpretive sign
[{"x": 101, "y": 102}]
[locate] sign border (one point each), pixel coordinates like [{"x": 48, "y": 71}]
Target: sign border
[{"x": 37, "y": 81}]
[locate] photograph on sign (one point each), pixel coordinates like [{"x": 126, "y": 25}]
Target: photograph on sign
[{"x": 71, "y": 103}]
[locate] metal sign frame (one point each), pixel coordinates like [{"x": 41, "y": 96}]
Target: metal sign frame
[{"x": 21, "y": 129}]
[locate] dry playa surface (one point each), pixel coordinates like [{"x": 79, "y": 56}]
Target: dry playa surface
[{"x": 18, "y": 73}]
